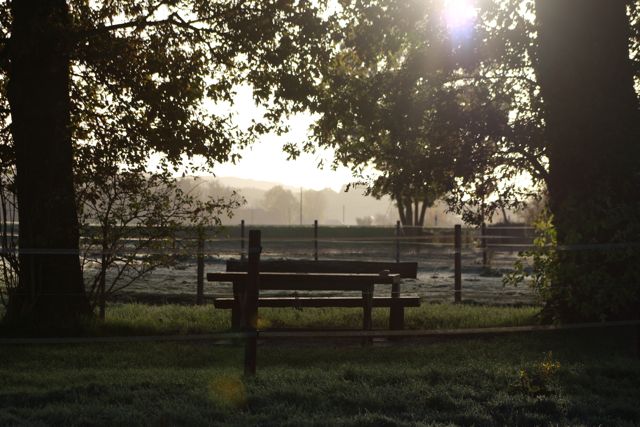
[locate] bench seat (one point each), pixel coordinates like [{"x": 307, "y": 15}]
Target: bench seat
[
  {"x": 318, "y": 302},
  {"x": 406, "y": 270}
]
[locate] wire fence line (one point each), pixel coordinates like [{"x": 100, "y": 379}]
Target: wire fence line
[
  {"x": 407, "y": 242},
  {"x": 280, "y": 241},
  {"x": 483, "y": 257},
  {"x": 472, "y": 239}
]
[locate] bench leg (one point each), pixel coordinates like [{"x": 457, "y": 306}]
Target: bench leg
[
  {"x": 235, "y": 318},
  {"x": 367, "y": 305},
  {"x": 396, "y": 317},
  {"x": 396, "y": 311},
  {"x": 236, "y": 313},
  {"x": 367, "y": 309}
]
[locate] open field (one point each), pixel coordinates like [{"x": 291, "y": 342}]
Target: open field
[
  {"x": 432, "y": 250},
  {"x": 434, "y": 282},
  {"x": 590, "y": 378}
]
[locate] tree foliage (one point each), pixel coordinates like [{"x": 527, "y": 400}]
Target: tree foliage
[
  {"x": 429, "y": 106},
  {"x": 146, "y": 72},
  {"x": 136, "y": 81}
]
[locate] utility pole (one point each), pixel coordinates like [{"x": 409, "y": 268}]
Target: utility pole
[{"x": 300, "y": 205}]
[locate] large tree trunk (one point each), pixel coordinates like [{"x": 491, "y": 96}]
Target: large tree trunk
[
  {"x": 423, "y": 212},
  {"x": 411, "y": 212},
  {"x": 405, "y": 211},
  {"x": 50, "y": 294},
  {"x": 592, "y": 127}
]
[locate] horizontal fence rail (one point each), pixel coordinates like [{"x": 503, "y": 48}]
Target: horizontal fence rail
[
  {"x": 320, "y": 334},
  {"x": 488, "y": 254}
]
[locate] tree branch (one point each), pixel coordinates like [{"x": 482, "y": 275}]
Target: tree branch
[
  {"x": 535, "y": 164},
  {"x": 173, "y": 19}
]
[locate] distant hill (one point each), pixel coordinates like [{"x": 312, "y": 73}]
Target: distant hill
[
  {"x": 334, "y": 208},
  {"x": 234, "y": 182}
]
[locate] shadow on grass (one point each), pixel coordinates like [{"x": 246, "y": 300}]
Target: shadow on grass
[{"x": 461, "y": 382}]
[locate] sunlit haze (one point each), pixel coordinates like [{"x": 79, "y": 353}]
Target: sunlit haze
[
  {"x": 459, "y": 14},
  {"x": 265, "y": 159}
]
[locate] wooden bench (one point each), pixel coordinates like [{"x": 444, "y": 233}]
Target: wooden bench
[
  {"x": 323, "y": 275},
  {"x": 406, "y": 270}
]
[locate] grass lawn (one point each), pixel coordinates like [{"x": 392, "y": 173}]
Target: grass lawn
[
  {"x": 590, "y": 378},
  {"x": 139, "y": 319}
]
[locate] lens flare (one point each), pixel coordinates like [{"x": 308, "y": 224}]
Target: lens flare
[
  {"x": 228, "y": 391},
  {"x": 459, "y": 14}
]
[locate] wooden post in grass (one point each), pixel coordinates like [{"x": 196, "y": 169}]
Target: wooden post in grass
[
  {"x": 103, "y": 280},
  {"x": 638, "y": 341},
  {"x": 250, "y": 303},
  {"x": 315, "y": 239},
  {"x": 396, "y": 313},
  {"x": 367, "y": 312},
  {"x": 457, "y": 263},
  {"x": 242, "y": 240},
  {"x": 397, "y": 241},
  {"x": 200, "y": 268}
]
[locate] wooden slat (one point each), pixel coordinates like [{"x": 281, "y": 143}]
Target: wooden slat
[
  {"x": 317, "y": 302},
  {"x": 407, "y": 270},
  {"x": 309, "y": 281}
]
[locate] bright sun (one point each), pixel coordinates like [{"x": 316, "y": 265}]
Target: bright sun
[{"x": 459, "y": 14}]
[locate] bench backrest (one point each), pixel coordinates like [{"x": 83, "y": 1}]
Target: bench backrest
[{"x": 408, "y": 270}]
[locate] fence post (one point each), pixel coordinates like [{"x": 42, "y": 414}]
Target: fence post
[
  {"x": 242, "y": 240},
  {"x": 103, "y": 280},
  {"x": 483, "y": 245},
  {"x": 397, "y": 241},
  {"x": 200, "y": 269},
  {"x": 250, "y": 306},
  {"x": 315, "y": 239},
  {"x": 457, "y": 288}
]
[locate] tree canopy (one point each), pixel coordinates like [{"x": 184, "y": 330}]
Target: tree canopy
[
  {"x": 84, "y": 81},
  {"x": 436, "y": 109},
  {"x": 529, "y": 87},
  {"x": 429, "y": 106}
]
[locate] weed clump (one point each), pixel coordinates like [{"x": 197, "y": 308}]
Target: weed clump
[{"x": 540, "y": 379}]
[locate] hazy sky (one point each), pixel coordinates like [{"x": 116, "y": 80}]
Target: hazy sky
[{"x": 266, "y": 161}]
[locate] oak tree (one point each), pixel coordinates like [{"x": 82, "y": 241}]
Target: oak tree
[
  {"x": 144, "y": 78},
  {"x": 592, "y": 131}
]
